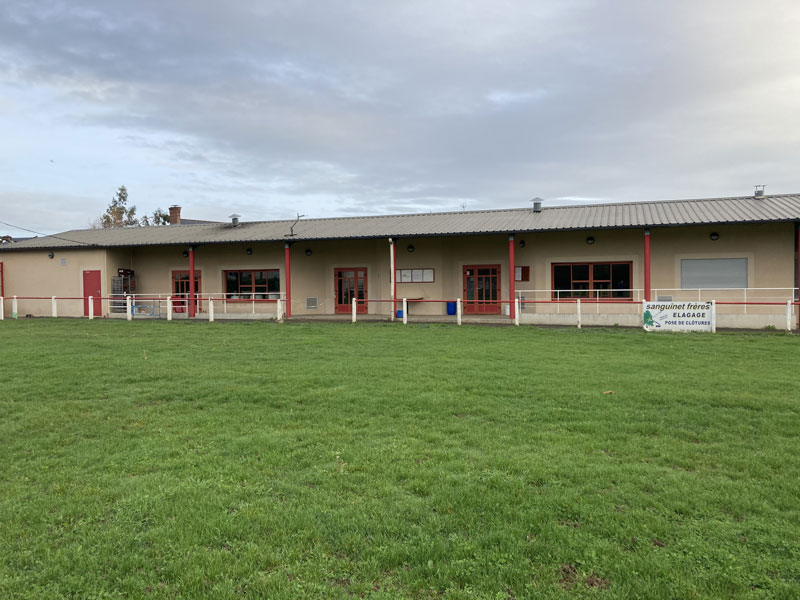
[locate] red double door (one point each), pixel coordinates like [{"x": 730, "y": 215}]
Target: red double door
[
  {"x": 350, "y": 283},
  {"x": 482, "y": 289}
]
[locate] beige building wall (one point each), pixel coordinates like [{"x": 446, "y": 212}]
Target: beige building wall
[
  {"x": 313, "y": 275},
  {"x": 34, "y": 274},
  {"x": 154, "y": 267}
]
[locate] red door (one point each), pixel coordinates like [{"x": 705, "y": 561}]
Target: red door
[
  {"x": 91, "y": 287},
  {"x": 482, "y": 289},
  {"x": 349, "y": 284},
  {"x": 180, "y": 290}
]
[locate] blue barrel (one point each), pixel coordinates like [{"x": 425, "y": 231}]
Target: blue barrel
[
  {"x": 451, "y": 308},
  {"x": 399, "y": 314}
]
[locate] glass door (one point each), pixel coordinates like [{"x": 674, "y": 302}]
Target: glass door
[
  {"x": 482, "y": 289},
  {"x": 349, "y": 284}
]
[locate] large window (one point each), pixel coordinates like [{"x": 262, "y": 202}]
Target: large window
[
  {"x": 592, "y": 280},
  {"x": 699, "y": 273},
  {"x": 261, "y": 285}
]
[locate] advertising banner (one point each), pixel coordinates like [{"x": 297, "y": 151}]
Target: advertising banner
[{"x": 678, "y": 316}]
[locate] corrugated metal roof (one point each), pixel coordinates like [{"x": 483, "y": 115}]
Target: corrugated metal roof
[{"x": 597, "y": 216}]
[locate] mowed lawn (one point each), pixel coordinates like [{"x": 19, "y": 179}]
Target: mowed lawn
[{"x": 260, "y": 460}]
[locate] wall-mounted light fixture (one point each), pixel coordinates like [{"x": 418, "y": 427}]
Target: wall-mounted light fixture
[
  {"x": 51, "y": 255},
  {"x": 590, "y": 240},
  {"x": 410, "y": 248},
  {"x": 185, "y": 254},
  {"x": 714, "y": 236},
  {"x": 249, "y": 251},
  {"x": 308, "y": 251},
  {"x": 522, "y": 243}
]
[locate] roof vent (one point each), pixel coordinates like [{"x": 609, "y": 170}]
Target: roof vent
[
  {"x": 234, "y": 219},
  {"x": 537, "y": 204},
  {"x": 760, "y": 191}
]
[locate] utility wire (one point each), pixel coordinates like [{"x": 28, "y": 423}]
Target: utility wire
[{"x": 46, "y": 235}]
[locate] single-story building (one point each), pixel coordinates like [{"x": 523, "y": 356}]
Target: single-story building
[{"x": 738, "y": 250}]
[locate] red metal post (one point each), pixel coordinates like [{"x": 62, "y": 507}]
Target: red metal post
[
  {"x": 512, "y": 276},
  {"x": 192, "y": 308},
  {"x": 393, "y": 242},
  {"x": 287, "y": 262},
  {"x": 647, "y": 265}
]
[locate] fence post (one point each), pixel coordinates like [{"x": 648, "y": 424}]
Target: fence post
[
  {"x": 405, "y": 311},
  {"x": 2, "y": 309},
  {"x": 91, "y": 308},
  {"x": 129, "y": 307},
  {"x": 14, "y": 307},
  {"x": 53, "y": 309},
  {"x": 279, "y": 310},
  {"x": 516, "y": 312},
  {"x": 788, "y": 316},
  {"x": 169, "y": 308},
  {"x": 354, "y": 310},
  {"x": 210, "y": 310},
  {"x": 458, "y": 311},
  {"x": 713, "y": 316},
  {"x": 578, "y": 305}
]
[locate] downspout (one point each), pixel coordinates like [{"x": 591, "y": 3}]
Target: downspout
[
  {"x": 647, "y": 291},
  {"x": 512, "y": 275}
]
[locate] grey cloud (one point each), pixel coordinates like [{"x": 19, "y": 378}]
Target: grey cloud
[{"x": 372, "y": 107}]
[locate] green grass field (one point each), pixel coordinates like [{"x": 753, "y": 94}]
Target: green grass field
[{"x": 227, "y": 460}]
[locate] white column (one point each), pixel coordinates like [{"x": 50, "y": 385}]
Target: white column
[
  {"x": 788, "y": 315},
  {"x": 128, "y": 308},
  {"x": 14, "y": 307},
  {"x": 713, "y": 316},
  {"x": 354, "y": 310},
  {"x": 644, "y": 309},
  {"x": 458, "y": 311},
  {"x": 516, "y": 312},
  {"x": 578, "y": 309},
  {"x": 91, "y": 308},
  {"x": 405, "y": 311},
  {"x": 210, "y": 309},
  {"x": 279, "y": 310},
  {"x": 53, "y": 308},
  {"x": 169, "y": 308},
  {"x": 2, "y": 309}
]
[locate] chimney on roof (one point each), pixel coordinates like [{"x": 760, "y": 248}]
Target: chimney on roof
[
  {"x": 234, "y": 219},
  {"x": 174, "y": 215},
  {"x": 537, "y": 204},
  {"x": 760, "y": 191}
]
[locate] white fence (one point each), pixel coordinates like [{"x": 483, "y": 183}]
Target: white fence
[{"x": 752, "y": 308}]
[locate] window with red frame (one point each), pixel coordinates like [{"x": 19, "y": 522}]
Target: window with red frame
[
  {"x": 263, "y": 284},
  {"x": 592, "y": 280},
  {"x": 522, "y": 273}
]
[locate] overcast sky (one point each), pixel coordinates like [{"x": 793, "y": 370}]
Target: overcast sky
[{"x": 335, "y": 108}]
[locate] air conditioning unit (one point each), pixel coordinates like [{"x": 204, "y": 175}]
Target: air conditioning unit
[{"x": 311, "y": 304}]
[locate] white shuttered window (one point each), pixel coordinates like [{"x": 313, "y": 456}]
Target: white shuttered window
[{"x": 707, "y": 273}]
